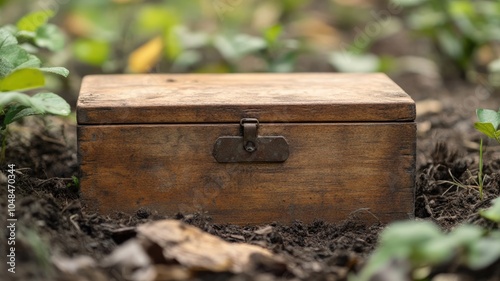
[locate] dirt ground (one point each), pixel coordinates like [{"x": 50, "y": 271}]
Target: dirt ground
[{"x": 53, "y": 223}]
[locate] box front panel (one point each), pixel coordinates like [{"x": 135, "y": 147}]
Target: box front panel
[{"x": 333, "y": 171}]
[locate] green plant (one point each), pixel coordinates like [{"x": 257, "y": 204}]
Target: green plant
[
  {"x": 75, "y": 182},
  {"x": 493, "y": 213},
  {"x": 20, "y": 70},
  {"x": 413, "y": 248},
  {"x": 277, "y": 54},
  {"x": 488, "y": 123},
  {"x": 461, "y": 30},
  {"x": 141, "y": 36},
  {"x": 489, "y": 120}
]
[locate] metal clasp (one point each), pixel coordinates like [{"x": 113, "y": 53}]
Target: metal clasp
[
  {"x": 250, "y": 147},
  {"x": 250, "y": 127}
]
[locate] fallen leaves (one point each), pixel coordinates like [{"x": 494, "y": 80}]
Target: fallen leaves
[
  {"x": 173, "y": 250},
  {"x": 196, "y": 249}
]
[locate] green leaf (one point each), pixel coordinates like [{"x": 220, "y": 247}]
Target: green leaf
[
  {"x": 25, "y": 36},
  {"x": 284, "y": 63},
  {"x": 409, "y": 233},
  {"x": 93, "y": 52},
  {"x": 349, "y": 62},
  {"x": 186, "y": 59},
  {"x": 35, "y": 20},
  {"x": 153, "y": 18},
  {"x": 273, "y": 33},
  {"x": 17, "y": 112},
  {"x": 51, "y": 37},
  {"x": 441, "y": 249},
  {"x": 14, "y": 97},
  {"x": 408, "y": 3},
  {"x": 23, "y": 79},
  {"x": 494, "y": 66},
  {"x": 483, "y": 253},
  {"x": 31, "y": 62},
  {"x": 173, "y": 45},
  {"x": 450, "y": 43},
  {"x": 437, "y": 250},
  {"x": 399, "y": 241},
  {"x": 50, "y": 103},
  {"x": 489, "y": 116},
  {"x": 6, "y": 38},
  {"x": 485, "y": 128},
  {"x": 40, "y": 103},
  {"x": 236, "y": 47},
  {"x": 189, "y": 39},
  {"x": 426, "y": 18},
  {"x": 56, "y": 70},
  {"x": 5, "y": 67},
  {"x": 492, "y": 213},
  {"x": 11, "y": 57},
  {"x": 461, "y": 8}
]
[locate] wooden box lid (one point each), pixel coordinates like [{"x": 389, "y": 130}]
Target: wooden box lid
[{"x": 226, "y": 98}]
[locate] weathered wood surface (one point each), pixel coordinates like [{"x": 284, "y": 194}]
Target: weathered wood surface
[
  {"x": 222, "y": 98},
  {"x": 334, "y": 171}
]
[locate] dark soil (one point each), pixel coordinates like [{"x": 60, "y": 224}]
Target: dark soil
[{"x": 53, "y": 223}]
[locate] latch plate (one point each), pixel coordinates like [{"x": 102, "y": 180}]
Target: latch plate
[{"x": 250, "y": 147}]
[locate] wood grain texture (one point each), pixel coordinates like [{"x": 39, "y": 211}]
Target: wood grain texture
[
  {"x": 334, "y": 171},
  {"x": 222, "y": 98}
]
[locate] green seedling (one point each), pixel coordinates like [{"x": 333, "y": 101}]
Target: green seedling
[
  {"x": 489, "y": 120},
  {"x": 488, "y": 123},
  {"x": 75, "y": 182},
  {"x": 20, "y": 71},
  {"x": 493, "y": 213},
  {"x": 412, "y": 248}
]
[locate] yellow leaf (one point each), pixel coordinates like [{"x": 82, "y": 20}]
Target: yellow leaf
[
  {"x": 146, "y": 56},
  {"x": 23, "y": 79}
]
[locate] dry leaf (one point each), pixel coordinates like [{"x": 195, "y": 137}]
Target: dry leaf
[
  {"x": 198, "y": 250},
  {"x": 172, "y": 272},
  {"x": 145, "y": 57},
  {"x": 428, "y": 107},
  {"x": 266, "y": 14},
  {"x": 320, "y": 34},
  {"x": 132, "y": 261},
  {"x": 264, "y": 230},
  {"x": 424, "y": 127},
  {"x": 73, "y": 265},
  {"x": 485, "y": 54},
  {"x": 78, "y": 25}
]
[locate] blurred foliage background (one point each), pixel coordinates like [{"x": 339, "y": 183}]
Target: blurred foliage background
[{"x": 432, "y": 41}]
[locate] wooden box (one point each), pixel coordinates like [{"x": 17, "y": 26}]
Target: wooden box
[{"x": 248, "y": 148}]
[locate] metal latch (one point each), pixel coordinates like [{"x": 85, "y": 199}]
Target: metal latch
[
  {"x": 249, "y": 126},
  {"x": 250, "y": 147}
]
